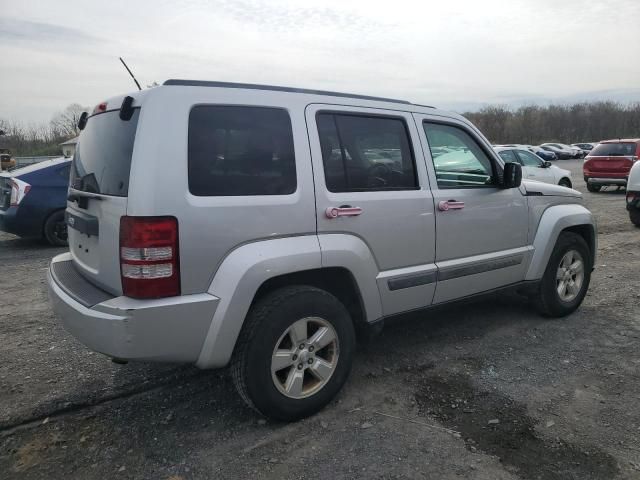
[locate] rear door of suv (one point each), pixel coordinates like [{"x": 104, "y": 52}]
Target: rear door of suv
[
  {"x": 98, "y": 193},
  {"x": 371, "y": 185}
]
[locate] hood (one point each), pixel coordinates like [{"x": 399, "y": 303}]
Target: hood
[{"x": 547, "y": 189}]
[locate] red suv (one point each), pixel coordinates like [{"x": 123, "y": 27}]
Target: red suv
[{"x": 609, "y": 163}]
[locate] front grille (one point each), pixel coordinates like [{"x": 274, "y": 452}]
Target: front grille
[{"x": 74, "y": 284}]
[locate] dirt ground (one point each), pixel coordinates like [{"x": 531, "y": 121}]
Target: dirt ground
[{"x": 488, "y": 390}]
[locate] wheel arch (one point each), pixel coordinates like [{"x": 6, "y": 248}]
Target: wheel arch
[
  {"x": 48, "y": 215},
  {"x": 555, "y": 220},
  {"x": 255, "y": 269}
]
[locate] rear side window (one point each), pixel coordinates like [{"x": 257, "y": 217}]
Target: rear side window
[
  {"x": 239, "y": 151},
  {"x": 363, "y": 153},
  {"x": 102, "y": 162},
  {"x": 508, "y": 156},
  {"x": 627, "y": 149}
]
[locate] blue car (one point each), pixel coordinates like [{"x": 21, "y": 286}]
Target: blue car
[{"x": 33, "y": 200}]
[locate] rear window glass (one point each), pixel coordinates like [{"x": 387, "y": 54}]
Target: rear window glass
[
  {"x": 102, "y": 162},
  {"x": 239, "y": 151},
  {"x": 614, "y": 150}
]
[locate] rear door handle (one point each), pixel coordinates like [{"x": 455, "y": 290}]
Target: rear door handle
[
  {"x": 445, "y": 205},
  {"x": 343, "y": 211}
]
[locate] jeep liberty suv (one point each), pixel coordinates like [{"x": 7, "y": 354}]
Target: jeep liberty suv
[{"x": 262, "y": 227}]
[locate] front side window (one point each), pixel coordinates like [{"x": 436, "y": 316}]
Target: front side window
[
  {"x": 239, "y": 151},
  {"x": 457, "y": 158},
  {"x": 508, "y": 156},
  {"x": 529, "y": 159},
  {"x": 361, "y": 153}
]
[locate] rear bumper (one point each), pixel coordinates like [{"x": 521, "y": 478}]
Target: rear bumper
[
  {"x": 602, "y": 180},
  {"x": 166, "y": 330}
]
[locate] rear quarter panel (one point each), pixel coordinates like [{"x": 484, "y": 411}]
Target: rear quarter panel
[{"x": 210, "y": 228}]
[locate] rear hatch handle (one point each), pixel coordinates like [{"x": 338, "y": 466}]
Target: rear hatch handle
[
  {"x": 82, "y": 198},
  {"x": 75, "y": 195}
]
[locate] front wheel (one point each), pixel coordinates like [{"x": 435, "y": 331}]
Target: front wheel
[
  {"x": 295, "y": 352},
  {"x": 55, "y": 229},
  {"x": 593, "y": 188},
  {"x": 565, "y": 182},
  {"x": 566, "y": 279}
]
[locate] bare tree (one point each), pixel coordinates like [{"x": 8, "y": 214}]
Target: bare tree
[{"x": 66, "y": 122}]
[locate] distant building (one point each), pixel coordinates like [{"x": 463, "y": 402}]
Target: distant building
[{"x": 69, "y": 147}]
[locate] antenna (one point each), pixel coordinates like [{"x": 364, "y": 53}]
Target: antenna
[{"x": 134, "y": 78}]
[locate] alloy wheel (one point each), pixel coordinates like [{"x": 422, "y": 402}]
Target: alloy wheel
[{"x": 305, "y": 357}]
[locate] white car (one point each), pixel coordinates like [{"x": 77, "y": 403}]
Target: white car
[{"x": 534, "y": 167}]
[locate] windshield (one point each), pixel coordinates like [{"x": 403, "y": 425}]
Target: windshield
[
  {"x": 102, "y": 161},
  {"x": 614, "y": 150}
]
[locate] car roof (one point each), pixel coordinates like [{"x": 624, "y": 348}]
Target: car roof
[
  {"x": 37, "y": 166},
  {"x": 622, "y": 140}
]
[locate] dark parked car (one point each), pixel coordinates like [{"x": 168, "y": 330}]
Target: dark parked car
[
  {"x": 541, "y": 152},
  {"x": 33, "y": 200},
  {"x": 560, "y": 153}
]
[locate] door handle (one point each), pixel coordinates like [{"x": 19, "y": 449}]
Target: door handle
[
  {"x": 343, "y": 211},
  {"x": 445, "y": 205}
]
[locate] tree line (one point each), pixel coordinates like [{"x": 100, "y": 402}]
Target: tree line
[
  {"x": 580, "y": 122},
  {"x": 35, "y": 139},
  {"x": 530, "y": 124}
]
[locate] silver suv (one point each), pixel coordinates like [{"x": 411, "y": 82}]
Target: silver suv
[{"x": 262, "y": 227}]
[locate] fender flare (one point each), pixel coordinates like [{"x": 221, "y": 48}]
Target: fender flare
[
  {"x": 246, "y": 268},
  {"x": 554, "y": 220}
]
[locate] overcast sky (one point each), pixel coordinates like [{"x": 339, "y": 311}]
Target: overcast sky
[{"x": 446, "y": 53}]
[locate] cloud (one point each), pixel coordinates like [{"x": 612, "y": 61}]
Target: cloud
[
  {"x": 439, "y": 53},
  {"x": 45, "y": 35}
]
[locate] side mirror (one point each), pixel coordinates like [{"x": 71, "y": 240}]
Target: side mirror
[
  {"x": 546, "y": 164},
  {"x": 512, "y": 175}
]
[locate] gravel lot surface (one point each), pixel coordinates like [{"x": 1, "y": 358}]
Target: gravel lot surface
[{"x": 487, "y": 390}]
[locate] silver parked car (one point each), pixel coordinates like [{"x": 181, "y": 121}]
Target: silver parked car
[{"x": 262, "y": 227}]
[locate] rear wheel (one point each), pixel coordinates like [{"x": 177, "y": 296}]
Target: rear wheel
[
  {"x": 294, "y": 353},
  {"x": 566, "y": 278},
  {"x": 634, "y": 215},
  {"x": 593, "y": 188},
  {"x": 55, "y": 229},
  {"x": 565, "y": 182}
]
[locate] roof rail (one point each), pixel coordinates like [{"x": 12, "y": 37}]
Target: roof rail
[{"x": 251, "y": 86}]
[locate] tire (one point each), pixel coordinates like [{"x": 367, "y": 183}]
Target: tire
[
  {"x": 548, "y": 300},
  {"x": 269, "y": 327},
  {"x": 565, "y": 182},
  {"x": 55, "y": 229},
  {"x": 634, "y": 216},
  {"x": 593, "y": 188}
]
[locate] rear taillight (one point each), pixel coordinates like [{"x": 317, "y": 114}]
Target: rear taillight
[
  {"x": 149, "y": 257},
  {"x": 632, "y": 196},
  {"x": 19, "y": 190}
]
